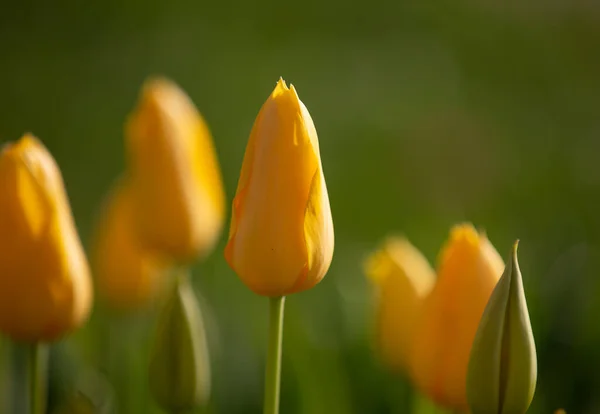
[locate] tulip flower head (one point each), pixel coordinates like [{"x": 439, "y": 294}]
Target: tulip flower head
[
  {"x": 468, "y": 271},
  {"x": 403, "y": 278},
  {"x": 127, "y": 275},
  {"x": 45, "y": 286},
  {"x": 176, "y": 182},
  {"x": 503, "y": 366},
  {"x": 281, "y": 234}
]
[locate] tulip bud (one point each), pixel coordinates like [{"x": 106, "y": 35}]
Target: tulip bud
[
  {"x": 281, "y": 235},
  {"x": 45, "y": 286},
  {"x": 179, "y": 364},
  {"x": 403, "y": 278},
  {"x": 468, "y": 271},
  {"x": 78, "y": 403},
  {"x": 127, "y": 275},
  {"x": 178, "y": 193},
  {"x": 503, "y": 367}
]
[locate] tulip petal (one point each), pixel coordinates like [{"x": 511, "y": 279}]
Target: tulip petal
[
  {"x": 245, "y": 175},
  {"x": 242, "y": 188},
  {"x": 318, "y": 236},
  {"x": 403, "y": 278}
]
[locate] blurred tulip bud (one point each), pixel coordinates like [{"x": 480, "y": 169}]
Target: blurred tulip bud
[
  {"x": 45, "y": 286},
  {"x": 503, "y": 367},
  {"x": 127, "y": 275},
  {"x": 77, "y": 404},
  {"x": 178, "y": 193},
  {"x": 403, "y": 278},
  {"x": 281, "y": 235},
  {"x": 179, "y": 363},
  {"x": 468, "y": 272}
]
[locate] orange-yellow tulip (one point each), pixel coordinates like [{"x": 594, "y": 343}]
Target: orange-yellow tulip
[
  {"x": 178, "y": 193},
  {"x": 403, "y": 279},
  {"x": 468, "y": 271},
  {"x": 127, "y": 275},
  {"x": 45, "y": 285},
  {"x": 281, "y": 235}
]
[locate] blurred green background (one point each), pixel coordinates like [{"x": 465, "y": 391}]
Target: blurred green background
[{"x": 428, "y": 114}]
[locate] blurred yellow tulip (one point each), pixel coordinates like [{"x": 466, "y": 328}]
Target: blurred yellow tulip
[
  {"x": 403, "y": 278},
  {"x": 468, "y": 271},
  {"x": 503, "y": 367},
  {"x": 281, "y": 235},
  {"x": 45, "y": 285},
  {"x": 178, "y": 193},
  {"x": 127, "y": 275}
]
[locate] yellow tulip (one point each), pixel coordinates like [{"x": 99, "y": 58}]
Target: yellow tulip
[
  {"x": 176, "y": 181},
  {"x": 503, "y": 367},
  {"x": 403, "y": 278},
  {"x": 468, "y": 272},
  {"x": 45, "y": 286},
  {"x": 127, "y": 275},
  {"x": 281, "y": 234}
]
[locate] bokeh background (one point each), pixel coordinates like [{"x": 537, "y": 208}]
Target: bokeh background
[{"x": 428, "y": 113}]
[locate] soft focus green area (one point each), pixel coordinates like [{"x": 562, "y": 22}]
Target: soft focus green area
[{"x": 428, "y": 115}]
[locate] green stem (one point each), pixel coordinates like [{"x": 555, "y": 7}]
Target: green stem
[
  {"x": 273, "y": 369},
  {"x": 36, "y": 379}
]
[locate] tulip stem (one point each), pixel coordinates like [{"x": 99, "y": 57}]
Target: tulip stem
[
  {"x": 273, "y": 368},
  {"x": 36, "y": 379}
]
